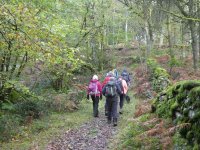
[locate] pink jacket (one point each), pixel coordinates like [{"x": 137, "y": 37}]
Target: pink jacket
[
  {"x": 99, "y": 87},
  {"x": 124, "y": 85}
]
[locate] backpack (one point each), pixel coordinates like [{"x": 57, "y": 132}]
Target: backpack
[
  {"x": 115, "y": 72},
  {"x": 125, "y": 76},
  {"x": 111, "y": 89},
  {"x": 119, "y": 82},
  {"x": 93, "y": 88}
]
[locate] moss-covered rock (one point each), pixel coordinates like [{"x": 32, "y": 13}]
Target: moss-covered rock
[
  {"x": 181, "y": 103},
  {"x": 159, "y": 76}
]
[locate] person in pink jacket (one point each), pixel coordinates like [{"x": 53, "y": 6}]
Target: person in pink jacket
[
  {"x": 124, "y": 87},
  {"x": 95, "y": 91}
]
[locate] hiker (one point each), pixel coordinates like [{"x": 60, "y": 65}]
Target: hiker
[
  {"x": 122, "y": 83},
  {"x": 95, "y": 91},
  {"x": 115, "y": 73},
  {"x": 126, "y": 76},
  {"x": 111, "y": 91},
  {"x": 106, "y": 80}
]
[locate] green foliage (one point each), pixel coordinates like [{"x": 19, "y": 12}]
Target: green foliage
[
  {"x": 180, "y": 143},
  {"x": 174, "y": 62},
  {"x": 13, "y": 91},
  {"x": 152, "y": 64},
  {"x": 64, "y": 63},
  {"x": 159, "y": 51},
  {"x": 8, "y": 107},
  {"x": 158, "y": 72},
  {"x": 9, "y": 126},
  {"x": 29, "y": 108},
  {"x": 130, "y": 138},
  {"x": 48, "y": 127}
]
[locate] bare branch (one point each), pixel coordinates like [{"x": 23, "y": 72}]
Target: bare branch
[{"x": 180, "y": 16}]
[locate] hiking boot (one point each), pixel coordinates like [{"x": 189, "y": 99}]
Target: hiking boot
[
  {"x": 109, "y": 121},
  {"x": 120, "y": 111},
  {"x": 115, "y": 122},
  {"x": 106, "y": 113}
]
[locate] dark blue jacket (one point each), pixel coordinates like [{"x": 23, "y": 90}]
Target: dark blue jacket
[{"x": 125, "y": 76}]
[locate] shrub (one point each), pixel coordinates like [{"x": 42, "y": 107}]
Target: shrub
[
  {"x": 29, "y": 108},
  {"x": 63, "y": 102},
  {"x": 9, "y": 126},
  {"x": 14, "y": 91}
]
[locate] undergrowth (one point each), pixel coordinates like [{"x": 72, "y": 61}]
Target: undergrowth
[{"x": 40, "y": 132}]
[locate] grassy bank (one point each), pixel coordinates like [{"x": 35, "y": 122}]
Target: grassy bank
[
  {"x": 38, "y": 134},
  {"x": 129, "y": 109}
]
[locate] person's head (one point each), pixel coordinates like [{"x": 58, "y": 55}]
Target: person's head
[
  {"x": 95, "y": 77},
  {"x": 110, "y": 74},
  {"x": 124, "y": 70}
]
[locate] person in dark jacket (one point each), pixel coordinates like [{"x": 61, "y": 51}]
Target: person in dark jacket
[
  {"x": 125, "y": 75},
  {"x": 95, "y": 91},
  {"x": 106, "y": 80},
  {"x": 112, "y": 100}
]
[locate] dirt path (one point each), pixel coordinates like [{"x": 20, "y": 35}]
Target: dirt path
[{"x": 93, "y": 135}]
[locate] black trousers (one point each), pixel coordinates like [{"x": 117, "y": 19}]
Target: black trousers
[
  {"x": 121, "y": 102},
  {"x": 106, "y": 107},
  {"x": 95, "y": 100},
  {"x": 112, "y": 104}
]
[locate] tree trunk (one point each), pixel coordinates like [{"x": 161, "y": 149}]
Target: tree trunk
[
  {"x": 193, "y": 29},
  {"x": 148, "y": 41},
  {"x": 169, "y": 36},
  {"x": 126, "y": 27},
  {"x": 113, "y": 30},
  {"x": 199, "y": 28},
  {"x": 161, "y": 37},
  {"x": 22, "y": 65},
  {"x": 169, "y": 32},
  {"x": 192, "y": 25},
  {"x": 182, "y": 40}
]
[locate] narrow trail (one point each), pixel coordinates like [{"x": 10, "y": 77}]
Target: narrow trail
[
  {"x": 96, "y": 134},
  {"x": 93, "y": 135}
]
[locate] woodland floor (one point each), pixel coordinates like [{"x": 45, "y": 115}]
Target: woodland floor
[{"x": 94, "y": 134}]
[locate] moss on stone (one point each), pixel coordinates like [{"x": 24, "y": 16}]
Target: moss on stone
[
  {"x": 194, "y": 94},
  {"x": 181, "y": 103}
]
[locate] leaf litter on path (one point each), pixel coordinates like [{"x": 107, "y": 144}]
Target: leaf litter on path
[{"x": 93, "y": 135}]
